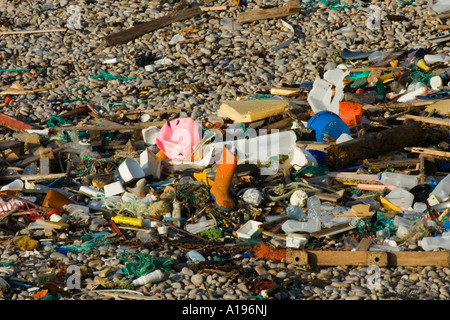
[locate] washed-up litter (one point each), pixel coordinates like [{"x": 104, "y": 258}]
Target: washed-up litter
[{"x": 351, "y": 168}]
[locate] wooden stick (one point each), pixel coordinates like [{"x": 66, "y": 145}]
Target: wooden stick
[
  {"x": 429, "y": 152},
  {"x": 143, "y": 28},
  {"x": 31, "y": 31}
]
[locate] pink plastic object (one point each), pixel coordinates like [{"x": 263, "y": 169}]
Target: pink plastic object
[{"x": 178, "y": 137}]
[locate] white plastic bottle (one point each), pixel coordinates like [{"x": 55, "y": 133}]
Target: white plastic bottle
[
  {"x": 398, "y": 179},
  {"x": 431, "y": 243},
  {"x": 153, "y": 276},
  {"x": 411, "y": 96},
  {"x": 435, "y": 58}
]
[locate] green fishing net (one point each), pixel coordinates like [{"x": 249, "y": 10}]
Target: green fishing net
[{"x": 143, "y": 263}]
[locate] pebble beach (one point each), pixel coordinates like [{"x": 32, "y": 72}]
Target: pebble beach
[{"x": 230, "y": 61}]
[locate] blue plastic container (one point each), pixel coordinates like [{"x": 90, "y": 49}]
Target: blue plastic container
[{"x": 327, "y": 124}]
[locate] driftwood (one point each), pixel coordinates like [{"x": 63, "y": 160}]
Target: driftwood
[
  {"x": 146, "y": 27},
  {"x": 292, "y": 7},
  {"x": 373, "y": 144}
]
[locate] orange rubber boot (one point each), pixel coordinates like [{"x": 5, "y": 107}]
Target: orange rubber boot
[{"x": 224, "y": 175}]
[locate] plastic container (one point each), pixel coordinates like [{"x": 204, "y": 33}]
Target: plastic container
[
  {"x": 128, "y": 220},
  {"x": 398, "y": 179},
  {"x": 442, "y": 189},
  {"x": 55, "y": 200},
  {"x": 326, "y": 125},
  {"x": 436, "y": 58},
  {"x": 431, "y": 243},
  {"x": 291, "y": 225},
  {"x": 401, "y": 198},
  {"x": 259, "y": 148},
  {"x": 350, "y": 113}
]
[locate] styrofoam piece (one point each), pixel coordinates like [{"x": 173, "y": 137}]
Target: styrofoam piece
[
  {"x": 149, "y": 134},
  {"x": 130, "y": 169},
  {"x": 150, "y": 163},
  {"x": 113, "y": 189}
]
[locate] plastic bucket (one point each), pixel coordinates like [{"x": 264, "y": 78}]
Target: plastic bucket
[{"x": 327, "y": 125}]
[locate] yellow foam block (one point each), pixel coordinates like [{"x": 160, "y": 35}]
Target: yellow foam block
[{"x": 245, "y": 111}]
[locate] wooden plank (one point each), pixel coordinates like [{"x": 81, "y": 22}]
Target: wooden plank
[
  {"x": 337, "y": 258},
  {"x": 364, "y": 244},
  {"x": 332, "y": 230},
  {"x": 429, "y": 120},
  {"x": 146, "y": 27},
  {"x": 375, "y": 164},
  {"x": 14, "y": 124},
  {"x": 429, "y": 152},
  {"x": 35, "y": 158},
  {"x": 292, "y": 7},
  {"x": 377, "y": 258},
  {"x": 419, "y": 258}
]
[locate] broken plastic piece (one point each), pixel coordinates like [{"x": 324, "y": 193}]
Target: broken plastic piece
[
  {"x": 178, "y": 137},
  {"x": 288, "y": 41}
]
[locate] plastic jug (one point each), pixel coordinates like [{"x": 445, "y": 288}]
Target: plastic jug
[
  {"x": 400, "y": 198},
  {"x": 431, "y": 243},
  {"x": 442, "y": 190},
  {"x": 398, "y": 179}
]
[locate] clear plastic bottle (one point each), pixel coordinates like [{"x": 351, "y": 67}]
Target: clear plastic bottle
[
  {"x": 377, "y": 56},
  {"x": 295, "y": 212},
  {"x": 314, "y": 207},
  {"x": 442, "y": 190},
  {"x": 398, "y": 179}
]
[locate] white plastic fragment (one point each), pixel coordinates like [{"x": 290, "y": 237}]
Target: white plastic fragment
[{"x": 288, "y": 41}]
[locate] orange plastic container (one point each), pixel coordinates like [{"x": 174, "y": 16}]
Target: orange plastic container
[
  {"x": 350, "y": 113},
  {"x": 55, "y": 200}
]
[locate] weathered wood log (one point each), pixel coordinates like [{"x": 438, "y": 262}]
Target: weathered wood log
[{"x": 373, "y": 144}]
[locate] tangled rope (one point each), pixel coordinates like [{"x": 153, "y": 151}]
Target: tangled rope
[{"x": 280, "y": 192}]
